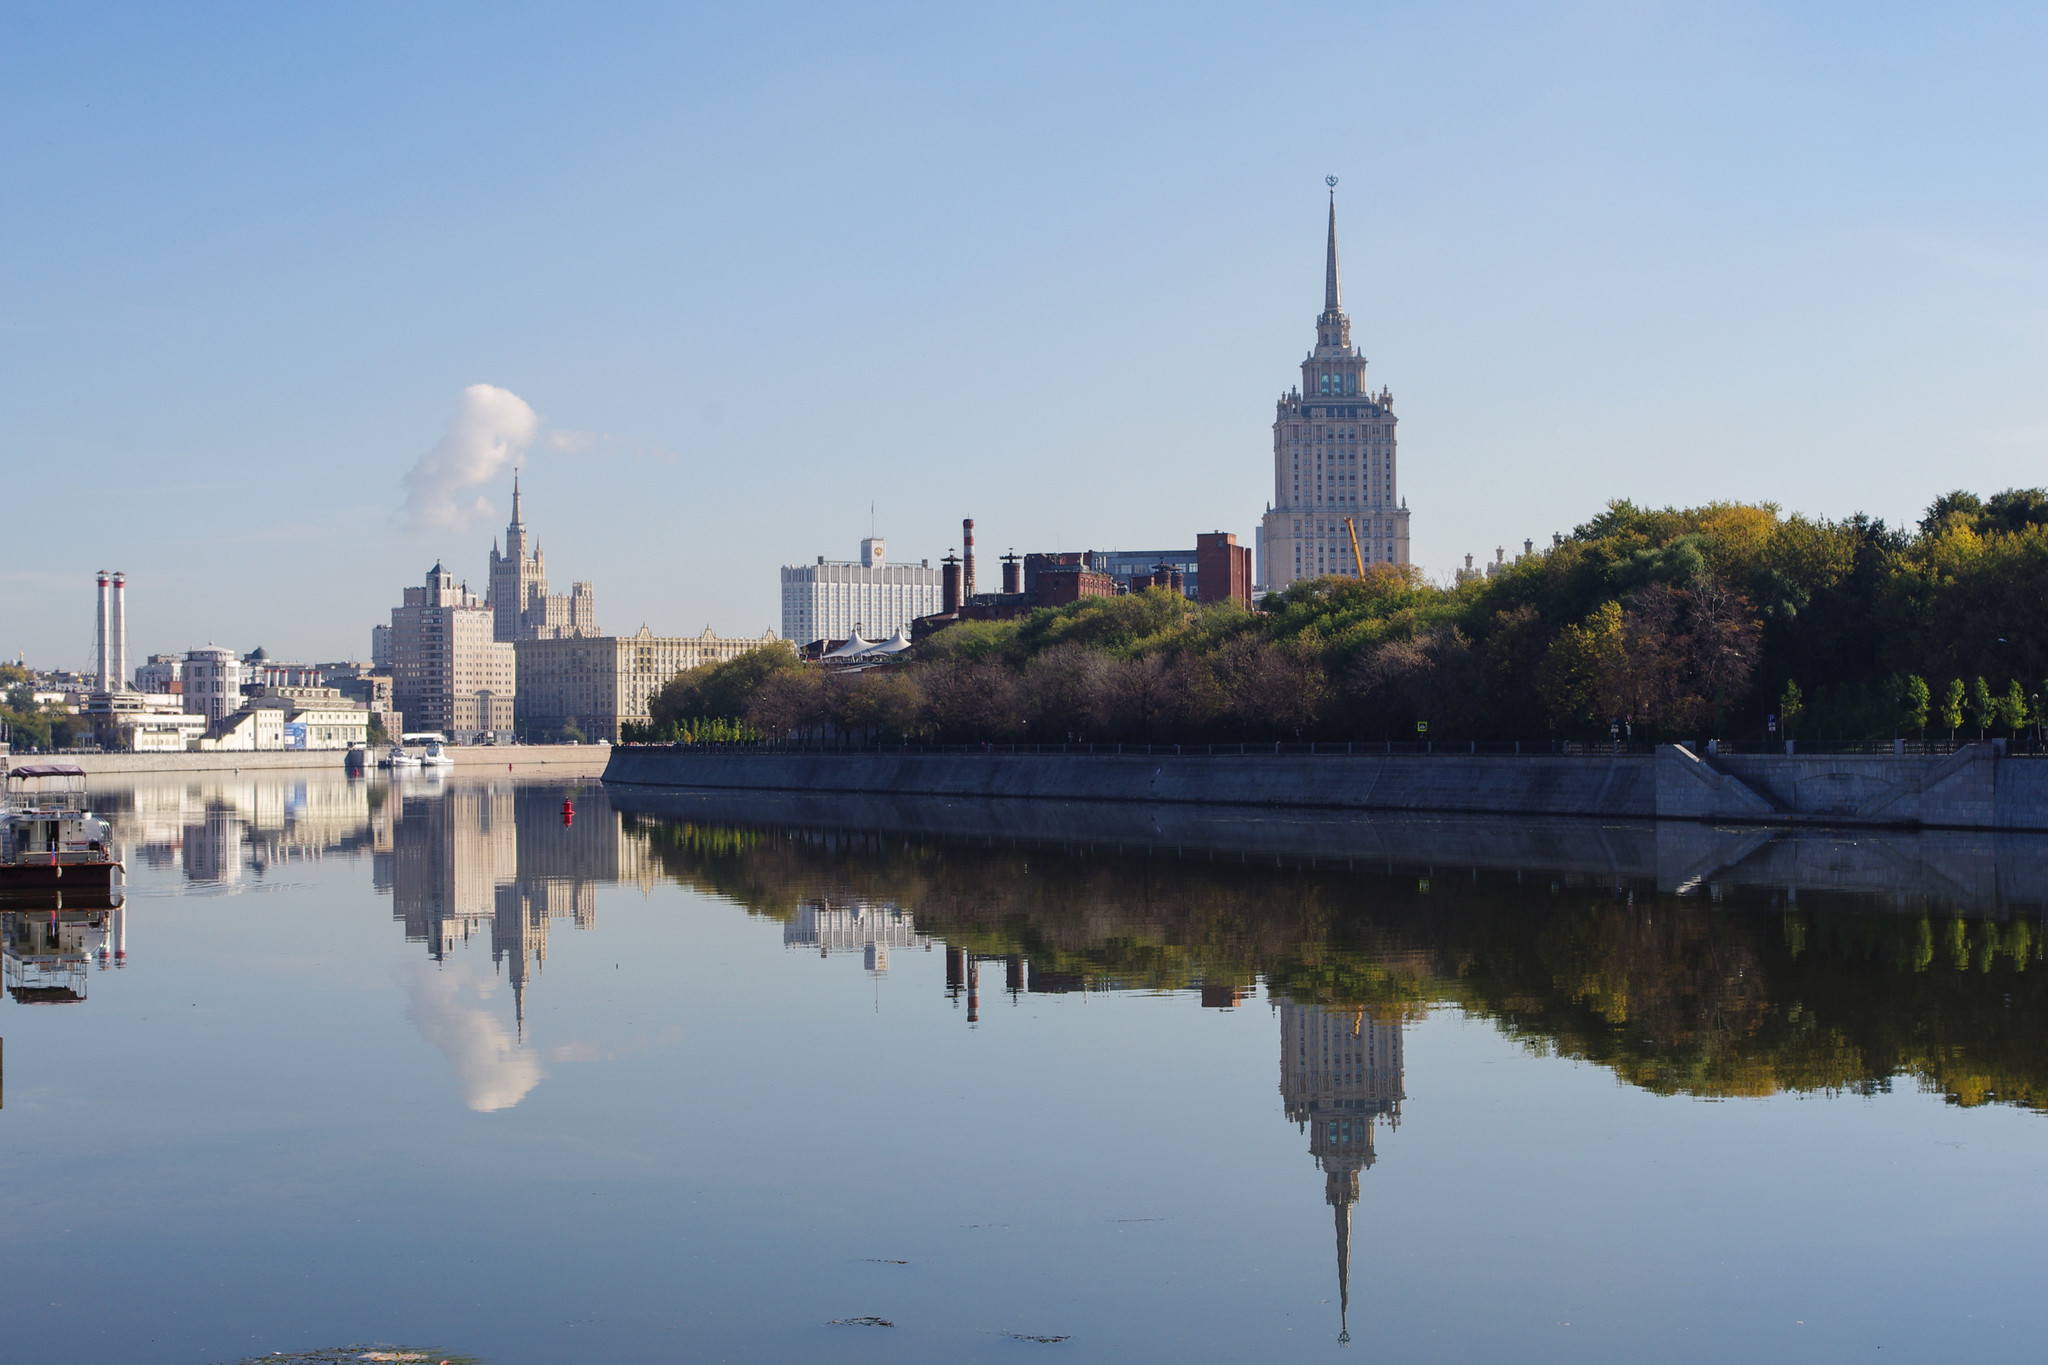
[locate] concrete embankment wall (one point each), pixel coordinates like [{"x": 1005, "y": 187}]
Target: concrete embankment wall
[
  {"x": 1607, "y": 785},
  {"x": 567, "y": 760},
  {"x": 1974, "y": 788}
]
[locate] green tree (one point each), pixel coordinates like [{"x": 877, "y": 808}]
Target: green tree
[
  {"x": 1791, "y": 706},
  {"x": 1915, "y": 701},
  {"x": 1983, "y": 707},
  {"x": 2012, "y": 708},
  {"x": 1952, "y": 707}
]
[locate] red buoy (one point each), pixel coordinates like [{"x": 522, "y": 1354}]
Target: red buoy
[{"x": 568, "y": 812}]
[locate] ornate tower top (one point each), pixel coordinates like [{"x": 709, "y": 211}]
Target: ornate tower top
[{"x": 1333, "y": 328}]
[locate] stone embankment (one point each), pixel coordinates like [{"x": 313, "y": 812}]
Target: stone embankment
[
  {"x": 1974, "y": 788},
  {"x": 565, "y": 760}
]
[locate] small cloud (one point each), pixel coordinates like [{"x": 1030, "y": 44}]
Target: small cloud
[
  {"x": 491, "y": 426},
  {"x": 573, "y": 442}
]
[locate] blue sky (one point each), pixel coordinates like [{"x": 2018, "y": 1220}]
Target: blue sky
[{"x": 1046, "y": 266}]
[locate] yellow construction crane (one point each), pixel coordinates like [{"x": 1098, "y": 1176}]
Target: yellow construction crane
[{"x": 1356, "y": 557}]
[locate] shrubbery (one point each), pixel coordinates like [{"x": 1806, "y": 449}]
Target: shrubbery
[{"x": 1685, "y": 623}]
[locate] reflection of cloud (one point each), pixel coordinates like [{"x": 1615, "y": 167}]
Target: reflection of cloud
[{"x": 495, "y": 1071}]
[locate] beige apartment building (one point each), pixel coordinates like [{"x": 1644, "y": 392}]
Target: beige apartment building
[
  {"x": 448, "y": 673},
  {"x": 1333, "y": 459},
  {"x": 592, "y": 686}
]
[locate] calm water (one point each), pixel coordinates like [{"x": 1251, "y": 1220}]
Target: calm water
[{"x": 693, "y": 1078}]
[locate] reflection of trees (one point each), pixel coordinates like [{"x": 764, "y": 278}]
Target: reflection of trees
[{"x": 1746, "y": 997}]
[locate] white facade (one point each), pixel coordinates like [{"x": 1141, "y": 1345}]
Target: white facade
[
  {"x": 159, "y": 673},
  {"x": 213, "y": 682},
  {"x": 1333, "y": 459},
  {"x": 874, "y": 598}
]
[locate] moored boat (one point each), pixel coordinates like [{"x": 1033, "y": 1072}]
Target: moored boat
[{"x": 49, "y": 838}]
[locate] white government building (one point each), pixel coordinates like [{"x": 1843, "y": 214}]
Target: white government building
[
  {"x": 873, "y": 598},
  {"x": 1333, "y": 458}
]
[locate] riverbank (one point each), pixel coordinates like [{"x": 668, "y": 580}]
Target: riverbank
[
  {"x": 1973, "y": 788},
  {"x": 565, "y": 760}
]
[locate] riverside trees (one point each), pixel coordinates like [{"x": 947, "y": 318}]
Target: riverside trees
[{"x": 1683, "y": 622}]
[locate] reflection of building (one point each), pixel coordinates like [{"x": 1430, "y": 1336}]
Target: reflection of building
[
  {"x": 853, "y": 927},
  {"x": 1340, "y": 1074},
  {"x": 505, "y": 856}
]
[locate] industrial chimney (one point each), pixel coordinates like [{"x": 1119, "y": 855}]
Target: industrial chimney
[
  {"x": 104, "y": 659},
  {"x": 119, "y": 682},
  {"x": 1013, "y": 576},
  {"x": 949, "y": 585},
  {"x": 967, "y": 559}
]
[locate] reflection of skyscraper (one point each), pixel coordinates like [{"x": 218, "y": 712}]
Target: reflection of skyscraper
[
  {"x": 451, "y": 853},
  {"x": 1340, "y": 1073}
]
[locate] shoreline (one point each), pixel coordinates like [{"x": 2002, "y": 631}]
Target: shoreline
[{"x": 1974, "y": 788}]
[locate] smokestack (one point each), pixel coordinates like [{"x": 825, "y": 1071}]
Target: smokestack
[
  {"x": 120, "y": 669},
  {"x": 949, "y": 586},
  {"x": 967, "y": 558},
  {"x": 1013, "y": 576},
  {"x": 104, "y": 660}
]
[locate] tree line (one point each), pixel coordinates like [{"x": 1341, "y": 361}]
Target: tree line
[{"x": 1713, "y": 621}]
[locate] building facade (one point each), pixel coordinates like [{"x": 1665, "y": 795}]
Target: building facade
[
  {"x": 872, "y": 598},
  {"x": 1334, "y": 459},
  {"x": 448, "y": 671},
  {"x": 213, "y": 682},
  {"x": 573, "y": 687},
  {"x": 521, "y": 606}
]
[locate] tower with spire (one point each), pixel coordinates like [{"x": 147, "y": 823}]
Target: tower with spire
[
  {"x": 1334, "y": 457},
  {"x": 521, "y": 606}
]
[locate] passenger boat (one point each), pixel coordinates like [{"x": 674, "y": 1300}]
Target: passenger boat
[{"x": 50, "y": 839}]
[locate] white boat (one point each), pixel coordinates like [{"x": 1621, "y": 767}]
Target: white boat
[
  {"x": 434, "y": 758},
  {"x": 399, "y": 758},
  {"x": 47, "y": 836}
]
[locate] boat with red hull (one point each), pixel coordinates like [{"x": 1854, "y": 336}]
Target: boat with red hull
[{"x": 49, "y": 840}]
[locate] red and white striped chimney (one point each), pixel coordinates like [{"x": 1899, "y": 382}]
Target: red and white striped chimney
[
  {"x": 104, "y": 660},
  {"x": 967, "y": 559},
  {"x": 120, "y": 633}
]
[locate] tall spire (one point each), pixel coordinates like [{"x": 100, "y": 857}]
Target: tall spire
[
  {"x": 1343, "y": 1274},
  {"x": 1333, "y": 268},
  {"x": 1332, "y": 297}
]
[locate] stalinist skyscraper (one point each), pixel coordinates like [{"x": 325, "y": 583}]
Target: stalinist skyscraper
[{"x": 1333, "y": 457}]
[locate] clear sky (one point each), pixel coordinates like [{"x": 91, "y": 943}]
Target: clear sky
[{"x": 740, "y": 272}]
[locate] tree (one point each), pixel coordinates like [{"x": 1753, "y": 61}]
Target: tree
[
  {"x": 1914, "y": 702},
  {"x": 2012, "y": 708},
  {"x": 1791, "y": 706},
  {"x": 718, "y": 689},
  {"x": 1983, "y": 708},
  {"x": 1952, "y": 707}
]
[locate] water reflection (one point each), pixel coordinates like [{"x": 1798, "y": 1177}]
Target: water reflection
[
  {"x": 1686, "y": 960},
  {"x": 46, "y": 951}
]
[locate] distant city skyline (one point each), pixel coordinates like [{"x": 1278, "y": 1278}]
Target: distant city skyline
[{"x": 299, "y": 290}]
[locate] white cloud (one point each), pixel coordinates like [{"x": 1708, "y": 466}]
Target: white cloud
[
  {"x": 490, "y": 428},
  {"x": 495, "y": 1071}
]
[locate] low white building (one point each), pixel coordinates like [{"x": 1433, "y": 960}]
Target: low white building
[
  {"x": 834, "y": 600},
  {"x": 315, "y": 717},
  {"x": 144, "y": 722},
  {"x": 258, "y": 729}
]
